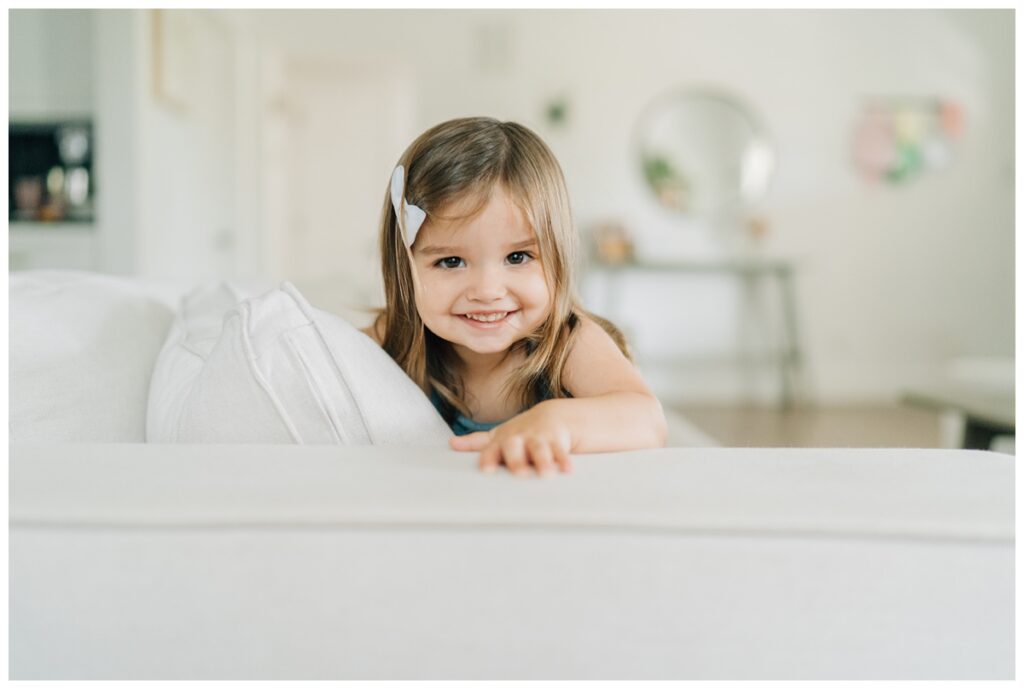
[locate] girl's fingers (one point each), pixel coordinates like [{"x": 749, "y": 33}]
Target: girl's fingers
[
  {"x": 470, "y": 442},
  {"x": 490, "y": 458},
  {"x": 562, "y": 457},
  {"x": 540, "y": 453},
  {"x": 517, "y": 453},
  {"x": 514, "y": 454}
]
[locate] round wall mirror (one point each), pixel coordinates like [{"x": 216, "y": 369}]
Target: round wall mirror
[{"x": 703, "y": 153}]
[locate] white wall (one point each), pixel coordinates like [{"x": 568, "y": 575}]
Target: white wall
[
  {"x": 51, "y": 78},
  {"x": 120, "y": 77},
  {"x": 164, "y": 177},
  {"x": 187, "y": 155},
  {"x": 893, "y": 282},
  {"x": 50, "y": 70}
]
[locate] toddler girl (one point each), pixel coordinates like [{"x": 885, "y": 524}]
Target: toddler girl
[{"x": 479, "y": 256}]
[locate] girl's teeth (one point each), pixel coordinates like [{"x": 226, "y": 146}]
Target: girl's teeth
[{"x": 488, "y": 319}]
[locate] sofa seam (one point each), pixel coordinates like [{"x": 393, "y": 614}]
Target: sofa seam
[
  {"x": 318, "y": 393},
  {"x": 250, "y": 360},
  {"x": 290, "y": 290}
]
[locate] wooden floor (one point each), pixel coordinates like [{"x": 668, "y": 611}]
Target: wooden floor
[{"x": 895, "y": 426}]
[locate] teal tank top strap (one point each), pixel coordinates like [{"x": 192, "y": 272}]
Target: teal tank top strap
[
  {"x": 463, "y": 425},
  {"x": 460, "y": 424}
]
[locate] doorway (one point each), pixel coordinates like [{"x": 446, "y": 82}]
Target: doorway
[{"x": 333, "y": 131}]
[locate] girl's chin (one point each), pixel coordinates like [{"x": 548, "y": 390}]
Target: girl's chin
[
  {"x": 483, "y": 347},
  {"x": 494, "y": 344}
]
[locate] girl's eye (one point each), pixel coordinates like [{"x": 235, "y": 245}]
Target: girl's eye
[
  {"x": 518, "y": 257},
  {"x": 449, "y": 262}
]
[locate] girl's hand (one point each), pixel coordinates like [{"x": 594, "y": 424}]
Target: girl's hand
[{"x": 531, "y": 440}]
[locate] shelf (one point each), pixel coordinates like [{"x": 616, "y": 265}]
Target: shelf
[
  {"x": 68, "y": 246},
  {"x": 23, "y": 228}
]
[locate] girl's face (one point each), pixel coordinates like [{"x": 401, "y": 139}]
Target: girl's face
[{"x": 482, "y": 283}]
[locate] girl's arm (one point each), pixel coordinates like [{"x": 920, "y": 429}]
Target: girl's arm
[{"x": 611, "y": 409}]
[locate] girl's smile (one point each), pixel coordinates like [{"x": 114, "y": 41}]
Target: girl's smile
[{"x": 488, "y": 319}]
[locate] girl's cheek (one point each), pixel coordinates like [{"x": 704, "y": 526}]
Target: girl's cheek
[
  {"x": 423, "y": 307},
  {"x": 543, "y": 292}
]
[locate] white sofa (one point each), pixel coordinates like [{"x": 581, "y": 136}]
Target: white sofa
[{"x": 134, "y": 560}]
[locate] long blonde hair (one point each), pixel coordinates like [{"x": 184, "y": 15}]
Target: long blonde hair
[{"x": 463, "y": 159}]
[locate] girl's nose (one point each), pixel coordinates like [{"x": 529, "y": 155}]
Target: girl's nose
[{"x": 488, "y": 285}]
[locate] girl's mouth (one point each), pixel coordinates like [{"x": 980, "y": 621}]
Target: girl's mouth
[{"x": 487, "y": 321}]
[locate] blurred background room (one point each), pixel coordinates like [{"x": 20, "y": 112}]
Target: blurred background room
[{"x": 802, "y": 219}]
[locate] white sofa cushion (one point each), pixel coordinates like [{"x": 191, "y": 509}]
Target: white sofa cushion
[
  {"x": 82, "y": 352},
  {"x": 395, "y": 563},
  {"x": 277, "y": 370}
]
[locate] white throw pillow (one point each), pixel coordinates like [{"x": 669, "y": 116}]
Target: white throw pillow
[
  {"x": 192, "y": 337},
  {"x": 83, "y": 347},
  {"x": 281, "y": 371}
]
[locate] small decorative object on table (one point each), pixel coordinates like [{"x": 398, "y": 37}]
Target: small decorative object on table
[{"x": 613, "y": 243}]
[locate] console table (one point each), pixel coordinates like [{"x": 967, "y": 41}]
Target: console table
[{"x": 754, "y": 274}]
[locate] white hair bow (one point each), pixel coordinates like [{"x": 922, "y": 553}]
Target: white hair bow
[{"x": 414, "y": 215}]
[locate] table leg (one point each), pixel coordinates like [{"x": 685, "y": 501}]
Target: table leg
[
  {"x": 791, "y": 357},
  {"x": 750, "y": 309}
]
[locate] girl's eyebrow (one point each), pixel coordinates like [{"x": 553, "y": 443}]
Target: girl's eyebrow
[{"x": 431, "y": 249}]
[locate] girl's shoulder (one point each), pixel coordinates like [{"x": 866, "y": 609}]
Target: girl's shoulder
[
  {"x": 598, "y": 361},
  {"x": 601, "y": 328},
  {"x": 375, "y": 330},
  {"x": 592, "y": 334}
]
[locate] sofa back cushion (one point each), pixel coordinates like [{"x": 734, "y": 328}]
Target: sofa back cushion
[
  {"x": 83, "y": 346},
  {"x": 273, "y": 369}
]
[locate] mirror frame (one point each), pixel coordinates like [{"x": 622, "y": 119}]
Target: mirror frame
[{"x": 739, "y": 202}]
